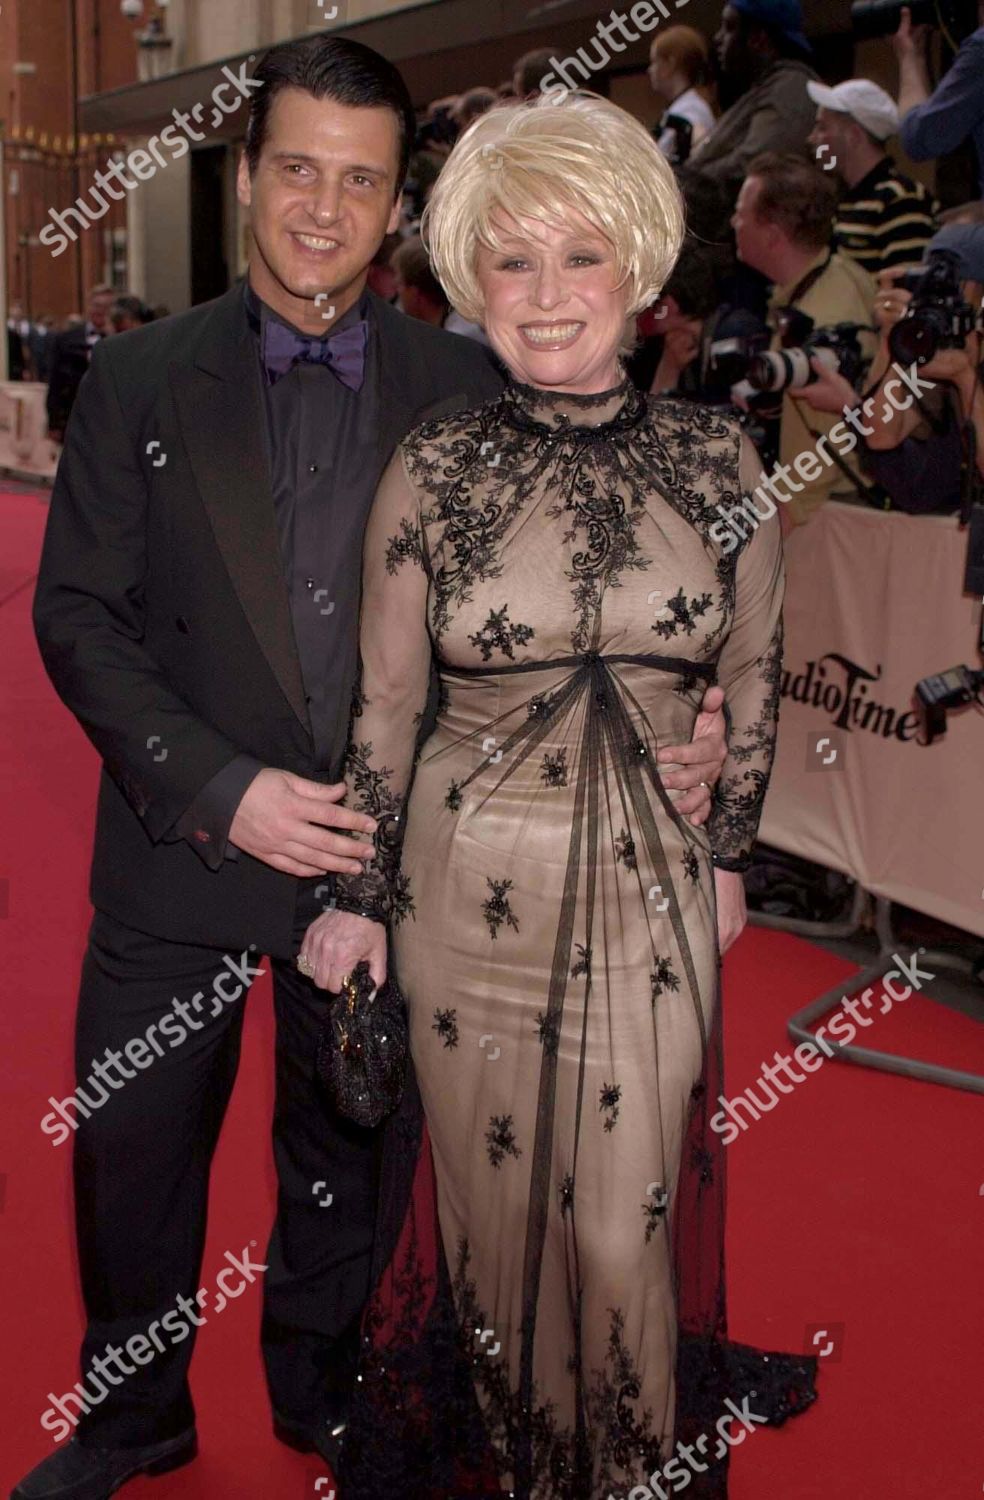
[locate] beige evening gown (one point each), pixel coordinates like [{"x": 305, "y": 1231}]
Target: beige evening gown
[{"x": 553, "y": 930}]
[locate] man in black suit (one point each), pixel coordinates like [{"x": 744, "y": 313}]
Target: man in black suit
[
  {"x": 17, "y": 335},
  {"x": 197, "y": 609},
  {"x": 71, "y": 352}
]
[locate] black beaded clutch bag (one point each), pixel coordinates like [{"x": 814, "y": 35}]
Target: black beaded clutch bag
[{"x": 363, "y": 1047}]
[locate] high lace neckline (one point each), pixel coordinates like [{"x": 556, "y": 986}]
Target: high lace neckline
[{"x": 562, "y": 411}]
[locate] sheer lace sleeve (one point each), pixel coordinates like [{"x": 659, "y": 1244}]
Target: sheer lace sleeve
[
  {"x": 395, "y": 652},
  {"x": 749, "y": 670}
]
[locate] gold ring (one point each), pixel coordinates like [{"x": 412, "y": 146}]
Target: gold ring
[{"x": 305, "y": 965}]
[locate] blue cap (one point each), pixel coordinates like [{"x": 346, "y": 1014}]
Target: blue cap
[
  {"x": 785, "y": 15},
  {"x": 966, "y": 241}
]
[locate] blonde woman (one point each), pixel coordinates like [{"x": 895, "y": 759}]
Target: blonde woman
[{"x": 556, "y": 926}]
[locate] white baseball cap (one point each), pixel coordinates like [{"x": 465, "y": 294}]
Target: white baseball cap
[{"x": 863, "y": 100}]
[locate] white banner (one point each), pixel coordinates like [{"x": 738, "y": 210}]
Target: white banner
[
  {"x": 24, "y": 443},
  {"x": 874, "y": 602}
]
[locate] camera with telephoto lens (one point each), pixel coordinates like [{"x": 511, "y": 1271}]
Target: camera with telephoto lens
[
  {"x": 937, "y": 317},
  {"x": 874, "y": 18},
  {"x": 753, "y": 369},
  {"x": 838, "y": 348}
]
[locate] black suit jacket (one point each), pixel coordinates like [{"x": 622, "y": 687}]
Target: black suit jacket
[
  {"x": 161, "y": 608},
  {"x": 15, "y": 355},
  {"x": 69, "y": 363}
]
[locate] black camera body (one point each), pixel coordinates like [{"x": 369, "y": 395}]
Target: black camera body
[
  {"x": 874, "y": 18},
  {"x": 729, "y": 359},
  {"x": 937, "y": 317},
  {"x": 939, "y": 694}
]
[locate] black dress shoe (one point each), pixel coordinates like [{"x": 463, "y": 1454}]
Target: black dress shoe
[
  {"x": 77, "y": 1473},
  {"x": 323, "y": 1437}
]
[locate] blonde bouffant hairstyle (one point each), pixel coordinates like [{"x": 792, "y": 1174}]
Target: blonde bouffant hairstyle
[{"x": 542, "y": 159}]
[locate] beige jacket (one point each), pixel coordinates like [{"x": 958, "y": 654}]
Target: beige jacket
[{"x": 844, "y": 293}]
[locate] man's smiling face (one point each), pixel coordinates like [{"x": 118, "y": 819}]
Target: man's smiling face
[{"x": 321, "y": 200}]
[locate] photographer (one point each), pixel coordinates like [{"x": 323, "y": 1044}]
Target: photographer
[
  {"x": 935, "y": 123},
  {"x": 920, "y": 426},
  {"x": 783, "y": 225},
  {"x": 667, "y": 359},
  {"x": 884, "y": 218}
]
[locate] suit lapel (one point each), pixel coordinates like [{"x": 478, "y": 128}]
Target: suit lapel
[
  {"x": 221, "y": 416},
  {"x": 405, "y": 383},
  {"x": 220, "y": 410},
  {"x": 393, "y": 370}
]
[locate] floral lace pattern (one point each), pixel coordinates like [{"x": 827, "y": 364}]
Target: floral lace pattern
[
  {"x": 553, "y": 932},
  {"x": 432, "y": 1382}
]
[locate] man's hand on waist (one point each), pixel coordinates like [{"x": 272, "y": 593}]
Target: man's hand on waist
[
  {"x": 286, "y": 821},
  {"x": 697, "y": 767}
]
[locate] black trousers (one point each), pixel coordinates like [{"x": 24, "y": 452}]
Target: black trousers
[{"x": 147, "y": 1129}]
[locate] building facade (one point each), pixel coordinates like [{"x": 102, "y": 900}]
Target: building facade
[{"x": 119, "y": 165}]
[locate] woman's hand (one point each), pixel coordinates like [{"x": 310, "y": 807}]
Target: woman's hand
[
  {"x": 335, "y": 942},
  {"x": 732, "y": 914}
]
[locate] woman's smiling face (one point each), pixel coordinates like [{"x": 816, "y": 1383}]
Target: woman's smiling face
[{"x": 552, "y": 310}]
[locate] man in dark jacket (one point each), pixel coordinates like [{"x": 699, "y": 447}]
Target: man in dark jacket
[
  {"x": 71, "y": 352},
  {"x": 763, "y": 67},
  {"x": 197, "y": 609},
  {"x": 936, "y": 122}
]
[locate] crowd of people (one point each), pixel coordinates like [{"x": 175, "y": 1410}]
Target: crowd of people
[
  {"x": 802, "y": 229},
  {"x": 58, "y": 357},
  {"x": 394, "y": 583}
]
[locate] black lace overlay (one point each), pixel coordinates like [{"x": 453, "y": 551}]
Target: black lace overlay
[
  {"x": 436, "y": 1417},
  {"x": 548, "y": 1320},
  {"x": 480, "y": 471},
  {"x": 740, "y": 794},
  {"x": 598, "y": 481},
  {"x": 383, "y": 890}
]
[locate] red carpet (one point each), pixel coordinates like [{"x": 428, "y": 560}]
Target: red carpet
[{"x": 853, "y": 1204}]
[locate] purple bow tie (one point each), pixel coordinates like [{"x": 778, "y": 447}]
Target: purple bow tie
[{"x": 344, "y": 353}]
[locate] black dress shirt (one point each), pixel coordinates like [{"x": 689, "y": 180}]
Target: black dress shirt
[{"x": 322, "y": 481}]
